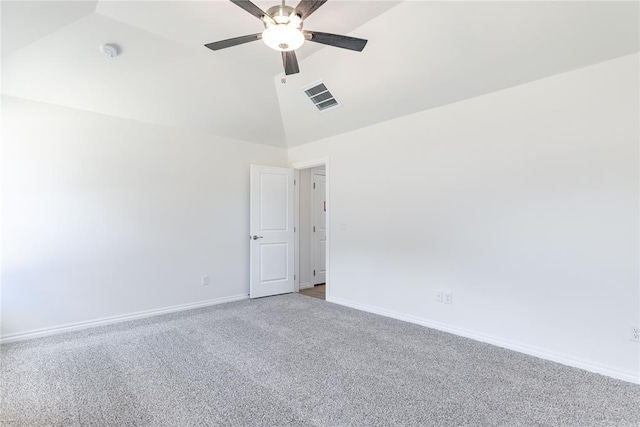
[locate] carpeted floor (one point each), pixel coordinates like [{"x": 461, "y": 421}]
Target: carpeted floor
[{"x": 266, "y": 362}]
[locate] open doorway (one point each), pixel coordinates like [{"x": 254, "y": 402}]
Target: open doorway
[{"x": 311, "y": 230}]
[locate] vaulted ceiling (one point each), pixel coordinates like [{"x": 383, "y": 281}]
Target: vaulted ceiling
[{"x": 420, "y": 55}]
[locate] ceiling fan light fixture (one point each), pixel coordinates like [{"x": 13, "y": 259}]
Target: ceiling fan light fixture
[
  {"x": 282, "y": 37},
  {"x": 295, "y": 21},
  {"x": 283, "y": 31}
]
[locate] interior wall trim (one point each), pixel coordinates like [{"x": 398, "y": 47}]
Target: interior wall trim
[
  {"x": 45, "y": 332},
  {"x": 521, "y": 348}
]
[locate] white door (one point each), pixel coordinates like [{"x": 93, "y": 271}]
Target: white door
[
  {"x": 271, "y": 228},
  {"x": 319, "y": 229}
]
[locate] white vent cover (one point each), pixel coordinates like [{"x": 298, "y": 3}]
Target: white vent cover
[{"x": 321, "y": 97}]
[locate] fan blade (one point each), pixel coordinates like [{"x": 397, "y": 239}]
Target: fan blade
[
  {"x": 307, "y": 7},
  {"x": 337, "y": 40},
  {"x": 252, "y": 9},
  {"x": 290, "y": 62},
  {"x": 233, "y": 42}
]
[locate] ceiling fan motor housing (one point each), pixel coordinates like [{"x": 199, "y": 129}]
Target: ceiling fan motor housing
[
  {"x": 283, "y": 31},
  {"x": 280, "y": 14}
]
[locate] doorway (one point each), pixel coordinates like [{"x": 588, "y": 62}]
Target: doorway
[{"x": 312, "y": 229}]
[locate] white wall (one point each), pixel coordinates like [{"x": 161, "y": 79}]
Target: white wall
[
  {"x": 523, "y": 203},
  {"x": 104, "y": 216}
]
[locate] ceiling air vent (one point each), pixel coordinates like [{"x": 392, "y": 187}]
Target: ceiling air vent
[{"x": 321, "y": 97}]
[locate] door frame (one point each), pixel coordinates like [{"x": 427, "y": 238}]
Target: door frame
[
  {"x": 324, "y": 161},
  {"x": 312, "y": 248}
]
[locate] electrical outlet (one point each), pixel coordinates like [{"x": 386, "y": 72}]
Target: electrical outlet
[
  {"x": 635, "y": 333},
  {"x": 438, "y": 296},
  {"x": 448, "y": 297},
  {"x": 205, "y": 280}
]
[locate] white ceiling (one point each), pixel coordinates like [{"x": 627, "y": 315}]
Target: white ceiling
[{"x": 420, "y": 55}]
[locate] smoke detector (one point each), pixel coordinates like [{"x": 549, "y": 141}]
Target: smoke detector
[{"x": 111, "y": 50}]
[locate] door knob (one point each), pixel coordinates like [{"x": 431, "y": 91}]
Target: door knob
[{"x": 257, "y": 237}]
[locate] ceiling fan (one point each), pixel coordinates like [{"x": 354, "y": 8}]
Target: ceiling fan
[{"x": 283, "y": 31}]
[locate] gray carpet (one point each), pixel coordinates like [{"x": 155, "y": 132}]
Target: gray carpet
[{"x": 294, "y": 361}]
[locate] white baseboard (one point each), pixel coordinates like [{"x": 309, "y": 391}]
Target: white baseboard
[
  {"x": 306, "y": 285},
  {"x": 44, "y": 332},
  {"x": 532, "y": 351}
]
